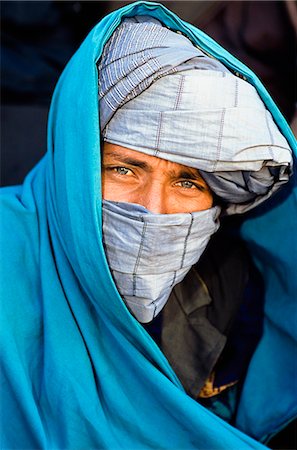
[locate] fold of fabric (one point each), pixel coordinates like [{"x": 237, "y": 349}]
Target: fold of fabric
[
  {"x": 140, "y": 52},
  {"x": 161, "y": 95},
  {"x": 145, "y": 272}
]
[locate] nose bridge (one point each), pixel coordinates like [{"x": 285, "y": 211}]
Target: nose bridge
[{"x": 154, "y": 196}]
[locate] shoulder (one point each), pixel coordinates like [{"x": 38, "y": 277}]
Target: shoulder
[
  {"x": 226, "y": 268},
  {"x": 19, "y": 252},
  {"x": 18, "y": 228}
]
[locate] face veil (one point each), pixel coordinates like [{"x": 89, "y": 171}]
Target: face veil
[{"x": 145, "y": 271}]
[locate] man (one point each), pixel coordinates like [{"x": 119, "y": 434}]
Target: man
[{"x": 80, "y": 370}]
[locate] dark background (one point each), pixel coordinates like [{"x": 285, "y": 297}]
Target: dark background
[{"x": 39, "y": 37}]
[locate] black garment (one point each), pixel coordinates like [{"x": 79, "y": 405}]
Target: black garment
[{"x": 213, "y": 318}]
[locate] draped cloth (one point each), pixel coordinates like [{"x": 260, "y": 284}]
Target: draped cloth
[
  {"x": 138, "y": 53},
  {"x": 78, "y": 371},
  {"x": 161, "y": 95}
]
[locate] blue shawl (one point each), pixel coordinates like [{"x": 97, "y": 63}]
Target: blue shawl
[{"x": 78, "y": 370}]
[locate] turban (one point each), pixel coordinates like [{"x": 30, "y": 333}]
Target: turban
[{"x": 161, "y": 95}]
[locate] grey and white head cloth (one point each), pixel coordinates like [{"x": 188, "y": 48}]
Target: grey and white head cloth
[
  {"x": 192, "y": 111},
  {"x": 162, "y": 96},
  {"x": 145, "y": 272}
]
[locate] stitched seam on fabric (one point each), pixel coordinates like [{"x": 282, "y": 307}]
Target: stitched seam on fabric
[
  {"x": 270, "y": 135},
  {"x": 159, "y": 35},
  {"x": 220, "y": 138},
  {"x": 155, "y": 66},
  {"x": 179, "y": 92},
  {"x": 158, "y": 137},
  {"x": 134, "y": 40},
  {"x": 236, "y": 93},
  {"x": 174, "y": 278},
  {"x": 139, "y": 255},
  {"x": 115, "y": 44},
  {"x": 155, "y": 308},
  {"x": 186, "y": 241}
]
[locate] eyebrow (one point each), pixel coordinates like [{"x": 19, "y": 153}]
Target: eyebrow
[
  {"x": 128, "y": 160},
  {"x": 188, "y": 174}
]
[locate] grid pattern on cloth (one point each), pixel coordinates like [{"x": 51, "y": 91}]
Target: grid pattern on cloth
[
  {"x": 145, "y": 272},
  {"x": 138, "y": 53},
  {"x": 162, "y": 96}
]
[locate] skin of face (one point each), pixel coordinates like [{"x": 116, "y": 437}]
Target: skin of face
[{"x": 161, "y": 186}]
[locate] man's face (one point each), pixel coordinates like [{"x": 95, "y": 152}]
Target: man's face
[{"x": 161, "y": 186}]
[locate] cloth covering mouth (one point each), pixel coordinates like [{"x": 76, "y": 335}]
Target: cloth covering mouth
[{"x": 161, "y": 95}]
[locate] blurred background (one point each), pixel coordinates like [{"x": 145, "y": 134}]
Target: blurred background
[{"x": 39, "y": 37}]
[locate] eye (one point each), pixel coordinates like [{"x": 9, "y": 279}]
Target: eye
[
  {"x": 187, "y": 184},
  {"x": 192, "y": 186},
  {"x": 122, "y": 170}
]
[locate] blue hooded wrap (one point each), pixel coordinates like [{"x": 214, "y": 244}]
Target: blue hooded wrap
[{"x": 78, "y": 370}]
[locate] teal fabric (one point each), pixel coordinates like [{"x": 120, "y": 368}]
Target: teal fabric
[
  {"x": 223, "y": 404},
  {"x": 78, "y": 371}
]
